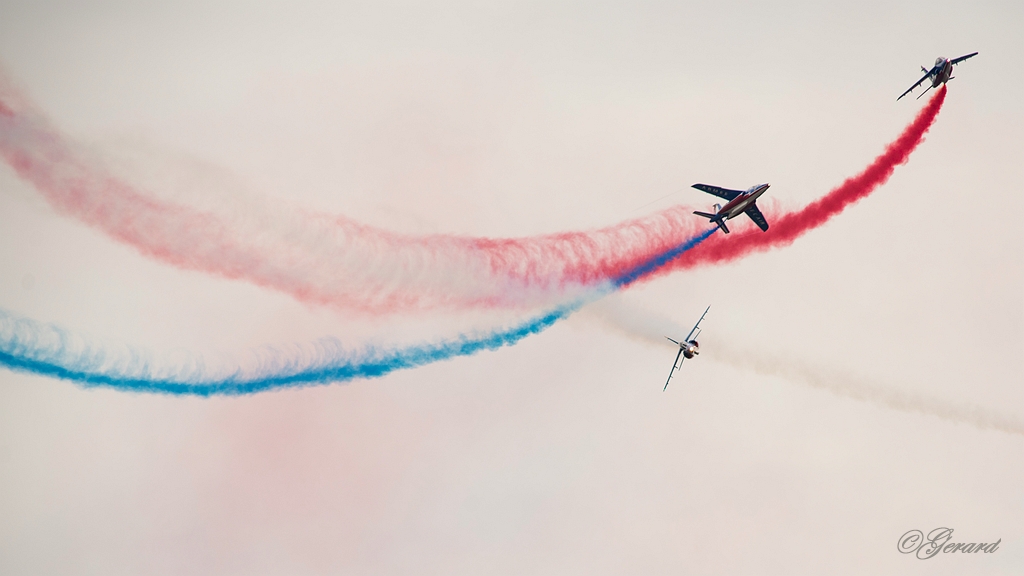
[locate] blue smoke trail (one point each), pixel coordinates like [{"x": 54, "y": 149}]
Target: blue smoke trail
[
  {"x": 46, "y": 350},
  {"x": 651, "y": 265}
]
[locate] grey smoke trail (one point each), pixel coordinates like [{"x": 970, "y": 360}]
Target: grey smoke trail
[{"x": 649, "y": 327}]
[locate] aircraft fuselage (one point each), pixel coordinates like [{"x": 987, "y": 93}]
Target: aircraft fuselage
[
  {"x": 737, "y": 205},
  {"x": 941, "y": 72},
  {"x": 690, "y": 348}
]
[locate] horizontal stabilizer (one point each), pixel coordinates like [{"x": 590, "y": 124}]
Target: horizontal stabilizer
[{"x": 716, "y": 219}]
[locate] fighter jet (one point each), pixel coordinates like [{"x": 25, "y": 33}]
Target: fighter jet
[
  {"x": 940, "y": 73},
  {"x": 688, "y": 348},
  {"x": 739, "y": 201}
]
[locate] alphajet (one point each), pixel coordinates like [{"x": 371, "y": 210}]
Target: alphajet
[
  {"x": 688, "y": 348},
  {"x": 939, "y": 74},
  {"x": 739, "y": 202}
]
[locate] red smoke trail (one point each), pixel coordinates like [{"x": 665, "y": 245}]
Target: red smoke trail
[
  {"x": 790, "y": 226},
  {"x": 340, "y": 262},
  {"x": 324, "y": 259}
]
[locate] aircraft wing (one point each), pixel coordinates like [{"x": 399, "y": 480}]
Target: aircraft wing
[
  {"x": 675, "y": 365},
  {"x": 962, "y": 58},
  {"x": 696, "y": 327},
  {"x": 757, "y": 217},
  {"x": 720, "y": 192},
  {"x": 916, "y": 84}
]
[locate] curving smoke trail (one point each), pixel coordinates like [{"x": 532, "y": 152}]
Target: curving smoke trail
[
  {"x": 324, "y": 259},
  {"x": 649, "y": 328},
  {"x": 333, "y": 260},
  {"x": 787, "y": 227},
  {"x": 336, "y": 261},
  {"x": 862, "y": 389},
  {"x": 47, "y": 350}
]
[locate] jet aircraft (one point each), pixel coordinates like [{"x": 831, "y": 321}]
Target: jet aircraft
[
  {"x": 739, "y": 201},
  {"x": 940, "y": 73},
  {"x": 688, "y": 348}
]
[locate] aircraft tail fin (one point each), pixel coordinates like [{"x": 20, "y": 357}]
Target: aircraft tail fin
[{"x": 715, "y": 219}]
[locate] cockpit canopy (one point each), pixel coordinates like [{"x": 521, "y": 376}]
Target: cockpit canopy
[{"x": 939, "y": 60}]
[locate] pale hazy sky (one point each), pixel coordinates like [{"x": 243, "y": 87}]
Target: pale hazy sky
[{"x": 560, "y": 455}]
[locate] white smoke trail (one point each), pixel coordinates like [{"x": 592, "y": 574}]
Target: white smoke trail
[{"x": 649, "y": 327}]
